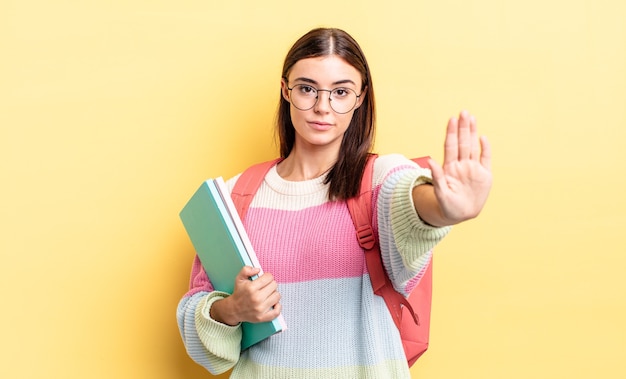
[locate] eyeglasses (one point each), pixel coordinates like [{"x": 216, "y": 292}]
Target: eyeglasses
[{"x": 341, "y": 99}]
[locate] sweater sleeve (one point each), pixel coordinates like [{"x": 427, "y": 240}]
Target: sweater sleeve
[
  {"x": 209, "y": 343},
  {"x": 406, "y": 242}
]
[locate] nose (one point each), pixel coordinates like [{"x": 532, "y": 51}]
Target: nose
[{"x": 323, "y": 101}]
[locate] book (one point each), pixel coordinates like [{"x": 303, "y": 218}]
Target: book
[{"x": 224, "y": 248}]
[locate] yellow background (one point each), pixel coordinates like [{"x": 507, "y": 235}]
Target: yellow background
[{"x": 113, "y": 112}]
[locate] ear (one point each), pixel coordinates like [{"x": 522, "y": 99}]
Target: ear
[
  {"x": 284, "y": 89},
  {"x": 361, "y": 98}
]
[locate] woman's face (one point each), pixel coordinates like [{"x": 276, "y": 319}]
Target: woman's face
[{"x": 321, "y": 126}]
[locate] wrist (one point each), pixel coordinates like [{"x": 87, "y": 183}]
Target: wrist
[
  {"x": 221, "y": 310},
  {"x": 427, "y": 206}
]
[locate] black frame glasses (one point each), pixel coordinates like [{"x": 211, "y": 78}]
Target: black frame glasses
[{"x": 331, "y": 92}]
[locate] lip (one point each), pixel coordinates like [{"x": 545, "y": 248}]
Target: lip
[{"x": 320, "y": 125}]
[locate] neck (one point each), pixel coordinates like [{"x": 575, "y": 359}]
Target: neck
[{"x": 300, "y": 166}]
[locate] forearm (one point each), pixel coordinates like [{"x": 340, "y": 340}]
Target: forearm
[{"x": 405, "y": 238}]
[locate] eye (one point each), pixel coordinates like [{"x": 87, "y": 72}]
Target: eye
[
  {"x": 306, "y": 90},
  {"x": 341, "y": 92}
]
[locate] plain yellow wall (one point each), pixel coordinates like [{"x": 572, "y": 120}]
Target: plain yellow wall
[{"x": 112, "y": 112}]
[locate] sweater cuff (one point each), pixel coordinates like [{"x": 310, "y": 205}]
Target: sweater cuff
[
  {"x": 416, "y": 236},
  {"x": 419, "y": 181},
  {"x": 214, "y": 333},
  {"x": 404, "y": 197}
]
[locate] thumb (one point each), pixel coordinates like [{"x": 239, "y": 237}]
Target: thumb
[{"x": 437, "y": 172}]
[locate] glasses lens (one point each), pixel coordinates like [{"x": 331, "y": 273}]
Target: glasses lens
[
  {"x": 303, "y": 96},
  {"x": 342, "y": 100}
]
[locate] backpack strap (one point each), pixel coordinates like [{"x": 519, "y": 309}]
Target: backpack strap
[
  {"x": 248, "y": 183},
  {"x": 361, "y": 211}
]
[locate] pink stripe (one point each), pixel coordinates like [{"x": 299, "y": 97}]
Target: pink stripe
[
  {"x": 410, "y": 286},
  {"x": 322, "y": 248}
]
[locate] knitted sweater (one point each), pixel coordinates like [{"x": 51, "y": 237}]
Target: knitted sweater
[{"x": 337, "y": 327}]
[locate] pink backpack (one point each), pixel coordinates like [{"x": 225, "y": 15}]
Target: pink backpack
[{"x": 414, "y": 330}]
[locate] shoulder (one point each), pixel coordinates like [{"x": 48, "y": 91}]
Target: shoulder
[
  {"x": 390, "y": 164},
  {"x": 256, "y": 172},
  {"x": 393, "y": 160}
]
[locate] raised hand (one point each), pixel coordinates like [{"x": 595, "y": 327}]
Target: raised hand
[{"x": 462, "y": 185}]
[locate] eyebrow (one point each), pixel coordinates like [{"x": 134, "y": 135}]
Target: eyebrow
[{"x": 311, "y": 81}]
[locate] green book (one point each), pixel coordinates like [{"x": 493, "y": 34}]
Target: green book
[{"x": 223, "y": 246}]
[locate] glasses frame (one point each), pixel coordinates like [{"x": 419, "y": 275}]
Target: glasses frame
[{"x": 330, "y": 99}]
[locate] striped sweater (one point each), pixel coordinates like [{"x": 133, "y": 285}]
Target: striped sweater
[{"x": 337, "y": 327}]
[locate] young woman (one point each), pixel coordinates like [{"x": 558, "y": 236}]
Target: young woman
[{"x": 315, "y": 270}]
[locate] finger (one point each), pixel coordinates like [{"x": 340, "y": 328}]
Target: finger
[
  {"x": 485, "y": 156},
  {"x": 273, "y": 299},
  {"x": 465, "y": 145},
  {"x": 247, "y": 272},
  {"x": 451, "y": 145},
  {"x": 271, "y": 307},
  {"x": 475, "y": 147},
  {"x": 278, "y": 307},
  {"x": 273, "y": 312},
  {"x": 266, "y": 286},
  {"x": 263, "y": 282}
]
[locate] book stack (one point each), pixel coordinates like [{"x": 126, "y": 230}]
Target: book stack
[{"x": 222, "y": 244}]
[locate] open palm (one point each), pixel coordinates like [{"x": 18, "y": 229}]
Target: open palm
[{"x": 463, "y": 183}]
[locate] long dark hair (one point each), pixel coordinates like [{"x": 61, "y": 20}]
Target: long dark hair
[{"x": 345, "y": 175}]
